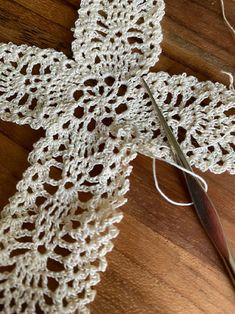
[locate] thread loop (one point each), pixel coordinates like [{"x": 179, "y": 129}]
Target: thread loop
[{"x": 167, "y": 198}]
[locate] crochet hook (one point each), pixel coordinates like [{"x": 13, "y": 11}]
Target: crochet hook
[{"x": 204, "y": 207}]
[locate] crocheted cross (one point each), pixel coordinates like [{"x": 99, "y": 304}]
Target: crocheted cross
[{"x": 58, "y": 227}]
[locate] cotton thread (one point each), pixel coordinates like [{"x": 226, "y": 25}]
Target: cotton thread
[
  {"x": 231, "y": 80},
  {"x": 167, "y": 198},
  {"x": 225, "y": 18}
]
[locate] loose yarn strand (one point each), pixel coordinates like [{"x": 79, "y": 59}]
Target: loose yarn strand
[
  {"x": 168, "y": 199},
  {"x": 231, "y": 80},
  {"x": 225, "y": 18}
]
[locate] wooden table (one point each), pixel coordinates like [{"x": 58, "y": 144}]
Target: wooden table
[{"x": 162, "y": 261}]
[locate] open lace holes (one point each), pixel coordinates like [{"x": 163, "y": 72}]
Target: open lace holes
[
  {"x": 102, "y": 24},
  {"x": 40, "y": 200},
  {"x": 24, "y": 306},
  {"x": 65, "y": 302},
  {"x": 48, "y": 300},
  {"x": 47, "y": 70},
  {"x": 62, "y": 148},
  {"x": 52, "y": 284},
  {"x": 115, "y": 150},
  {"x": 113, "y": 166},
  {"x": 17, "y": 252},
  {"x": 76, "y": 224},
  {"x": 91, "y": 82},
  {"x": 190, "y": 101},
  {"x": 107, "y": 121},
  {"x": 28, "y": 226},
  {"x": 140, "y": 21},
  {"x": 189, "y": 154},
  {"x": 68, "y": 185},
  {"x": 92, "y": 108},
  {"x": 79, "y": 210},
  {"x": 70, "y": 283},
  {"x": 36, "y": 69},
  {"x": 179, "y": 100},
  {"x": 109, "y": 80},
  {"x": 122, "y": 90},
  {"x": 205, "y": 102},
  {"x": 12, "y": 303},
  {"x": 101, "y": 147},
  {"x": 38, "y": 309},
  {"x": 85, "y": 196},
  {"x": 194, "y": 142},
  {"x": 101, "y": 90},
  {"x": 97, "y": 169},
  {"x": 29, "y": 190},
  {"x": 137, "y": 50},
  {"x": 42, "y": 249},
  {"x": 176, "y": 117},
  {"x": 62, "y": 251},
  {"x": 103, "y": 13},
  {"x": 78, "y": 112},
  {"x": 55, "y": 173},
  {"x": 156, "y": 133},
  {"x": 33, "y": 104},
  {"x": 24, "y": 239},
  {"x": 230, "y": 112},
  {"x": 59, "y": 159},
  {"x": 135, "y": 40},
  {"x": 8, "y": 268},
  {"x": 91, "y": 125},
  {"x": 97, "y": 60},
  {"x": 78, "y": 94},
  {"x": 66, "y": 125},
  {"x": 181, "y": 134},
  {"x": 54, "y": 265},
  {"x": 224, "y": 151},
  {"x": 232, "y": 146},
  {"x": 23, "y": 70},
  {"x": 51, "y": 189},
  {"x": 121, "y": 108},
  {"x": 68, "y": 238},
  {"x": 168, "y": 98}
]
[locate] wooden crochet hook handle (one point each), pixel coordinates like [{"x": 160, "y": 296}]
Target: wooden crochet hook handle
[{"x": 210, "y": 221}]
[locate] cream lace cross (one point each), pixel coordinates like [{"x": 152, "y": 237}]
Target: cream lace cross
[{"x": 58, "y": 227}]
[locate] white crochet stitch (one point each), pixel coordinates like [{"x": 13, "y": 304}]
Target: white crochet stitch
[{"x": 57, "y": 228}]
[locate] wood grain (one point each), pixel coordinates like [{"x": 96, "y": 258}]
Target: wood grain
[{"x": 162, "y": 261}]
